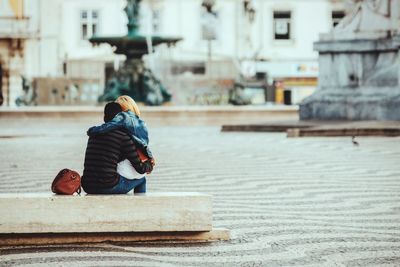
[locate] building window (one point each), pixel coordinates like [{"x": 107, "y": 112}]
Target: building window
[
  {"x": 337, "y": 17},
  {"x": 89, "y": 23},
  {"x": 282, "y": 23}
]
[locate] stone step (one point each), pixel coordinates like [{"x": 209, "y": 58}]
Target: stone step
[
  {"x": 216, "y": 234},
  {"x": 164, "y": 115},
  {"x": 271, "y": 127},
  {"x": 321, "y": 128},
  {"x": 385, "y": 130},
  {"x": 151, "y": 212}
]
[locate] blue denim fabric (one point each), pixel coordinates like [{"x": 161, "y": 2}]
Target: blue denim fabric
[
  {"x": 124, "y": 186},
  {"x": 128, "y": 120}
]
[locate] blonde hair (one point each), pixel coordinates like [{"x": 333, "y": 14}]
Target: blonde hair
[{"x": 127, "y": 103}]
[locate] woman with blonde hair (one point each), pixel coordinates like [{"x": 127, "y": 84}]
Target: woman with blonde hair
[
  {"x": 128, "y": 119},
  {"x": 127, "y": 103}
]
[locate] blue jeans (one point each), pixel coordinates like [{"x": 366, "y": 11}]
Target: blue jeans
[{"x": 124, "y": 186}]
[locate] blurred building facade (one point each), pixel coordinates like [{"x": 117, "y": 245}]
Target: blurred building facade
[
  {"x": 47, "y": 39},
  {"x": 247, "y": 37},
  {"x": 222, "y": 40}
]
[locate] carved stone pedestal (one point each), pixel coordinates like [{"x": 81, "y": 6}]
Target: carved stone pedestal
[
  {"x": 359, "y": 66},
  {"x": 358, "y": 80}
]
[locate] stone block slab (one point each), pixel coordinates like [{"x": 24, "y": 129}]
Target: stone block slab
[{"x": 151, "y": 212}]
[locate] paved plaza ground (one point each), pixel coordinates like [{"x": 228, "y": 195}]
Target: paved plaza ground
[{"x": 288, "y": 202}]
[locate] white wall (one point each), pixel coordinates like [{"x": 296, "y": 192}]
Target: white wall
[
  {"x": 182, "y": 18},
  {"x": 49, "y": 37},
  {"x": 112, "y": 23},
  {"x": 309, "y": 18}
]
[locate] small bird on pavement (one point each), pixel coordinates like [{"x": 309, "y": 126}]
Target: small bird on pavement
[{"x": 353, "y": 140}]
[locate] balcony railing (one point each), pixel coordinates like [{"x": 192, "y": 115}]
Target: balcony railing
[{"x": 13, "y": 27}]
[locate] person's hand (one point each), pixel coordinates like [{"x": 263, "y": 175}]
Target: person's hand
[
  {"x": 153, "y": 162},
  {"x": 150, "y": 164}
]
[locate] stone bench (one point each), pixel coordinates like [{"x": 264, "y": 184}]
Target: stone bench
[{"x": 49, "y": 218}]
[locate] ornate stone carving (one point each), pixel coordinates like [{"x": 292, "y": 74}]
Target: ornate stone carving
[{"x": 368, "y": 19}]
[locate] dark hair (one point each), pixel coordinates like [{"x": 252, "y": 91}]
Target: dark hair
[{"x": 110, "y": 110}]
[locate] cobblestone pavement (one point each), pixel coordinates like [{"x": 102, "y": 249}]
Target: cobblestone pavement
[{"x": 288, "y": 202}]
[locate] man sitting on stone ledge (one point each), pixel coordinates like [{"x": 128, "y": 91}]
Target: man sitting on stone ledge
[{"x": 103, "y": 153}]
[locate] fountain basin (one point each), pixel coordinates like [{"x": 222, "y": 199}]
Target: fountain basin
[{"x": 134, "y": 47}]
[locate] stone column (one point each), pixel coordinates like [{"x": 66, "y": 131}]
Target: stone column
[
  {"x": 15, "y": 68},
  {"x": 5, "y": 65}
]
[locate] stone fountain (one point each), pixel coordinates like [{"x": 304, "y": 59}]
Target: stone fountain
[
  {"x": 133, "y": 78},
  {"x": 359, "y": 66}
]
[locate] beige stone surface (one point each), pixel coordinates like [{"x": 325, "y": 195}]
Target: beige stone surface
[{"x": 47, "y": 213}]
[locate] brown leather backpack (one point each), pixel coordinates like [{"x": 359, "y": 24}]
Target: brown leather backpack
[{"x": 67, "y": 182}]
